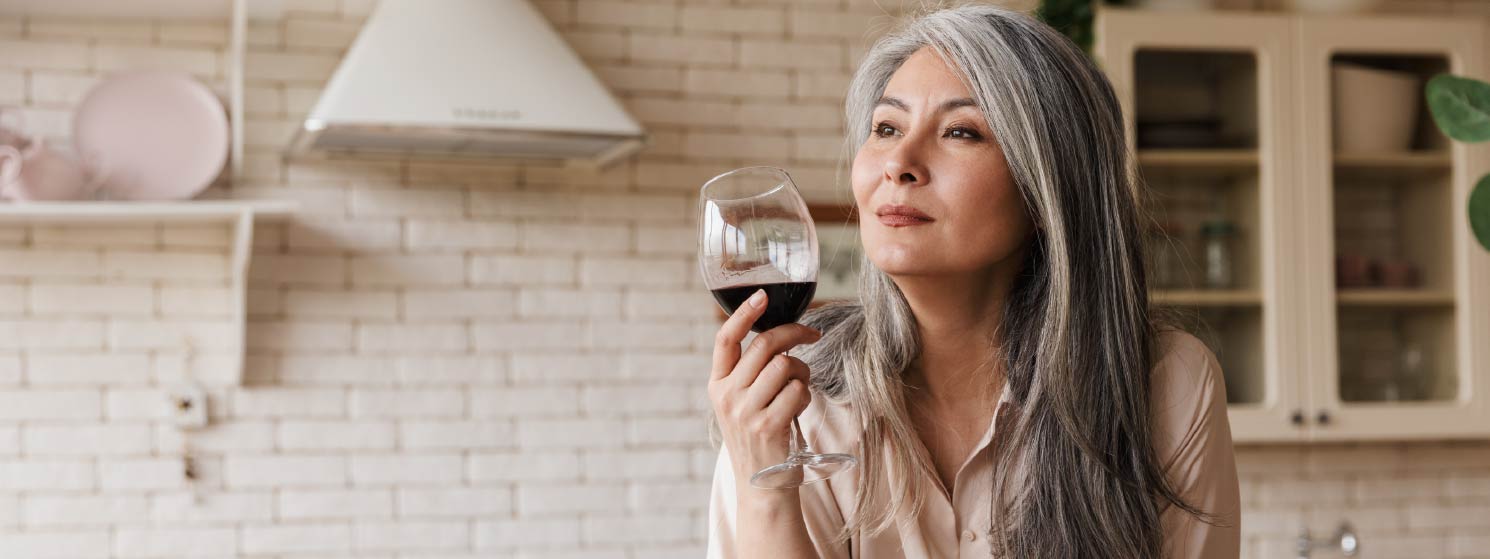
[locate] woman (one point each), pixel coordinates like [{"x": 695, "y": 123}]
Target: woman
[{"x": 1001, "y": 379}]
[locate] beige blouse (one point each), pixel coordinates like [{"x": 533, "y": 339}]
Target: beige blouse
[{"x": 1192, "y": 439}]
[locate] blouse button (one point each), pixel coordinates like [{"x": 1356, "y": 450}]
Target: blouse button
[{"x": 968, "y": 535}]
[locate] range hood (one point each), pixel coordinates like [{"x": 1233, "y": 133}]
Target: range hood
[{"x": 466, "y": 78}]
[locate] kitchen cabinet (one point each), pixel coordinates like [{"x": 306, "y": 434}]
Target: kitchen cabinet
[{"x": 1232, "y": 117}]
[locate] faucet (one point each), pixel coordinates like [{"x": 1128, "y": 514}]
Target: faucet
[{"x": 1344, "y": 539}]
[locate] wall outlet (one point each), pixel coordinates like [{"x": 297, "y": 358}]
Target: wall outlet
[{"x": 187, "y": 406}]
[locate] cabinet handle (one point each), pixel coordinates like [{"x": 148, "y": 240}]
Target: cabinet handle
[
  {"x": 1324, "y": 418},
  {"x": 1297, "y": 418}
]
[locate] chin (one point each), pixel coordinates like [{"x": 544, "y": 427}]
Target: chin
[{"x": 901, "y": 260}]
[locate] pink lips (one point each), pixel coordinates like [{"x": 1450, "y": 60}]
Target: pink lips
[{"x": 902, "y": 216}]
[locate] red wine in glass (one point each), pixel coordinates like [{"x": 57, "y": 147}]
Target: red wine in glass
[
  {"x": 785, "y": 301},
  {"x": 755, "y": 233}
]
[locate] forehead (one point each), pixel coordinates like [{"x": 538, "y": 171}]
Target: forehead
[{"x": 925, "y": 76}]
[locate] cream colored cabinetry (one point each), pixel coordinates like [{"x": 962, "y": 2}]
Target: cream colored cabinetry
[{"x": 1325, "y": 259}]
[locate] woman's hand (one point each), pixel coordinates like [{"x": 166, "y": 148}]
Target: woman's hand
[{"x": 756, "y": 394}]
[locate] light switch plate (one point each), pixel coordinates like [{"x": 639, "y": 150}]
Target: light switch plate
[{"x": 186, "y": 406}]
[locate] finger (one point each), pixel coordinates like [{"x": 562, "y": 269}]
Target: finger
[
  {"x": 734, "y": 329},
  {"x": 794, "y": 398},
  {"x": 777, "y": 374},
  {"x": 767, "y": 345}
]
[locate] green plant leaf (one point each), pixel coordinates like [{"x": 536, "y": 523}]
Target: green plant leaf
[
  {"x": 1479, "y": 211},
  {"x": 1460, "y": 107},
  {"x": 1072, "y": 18}
]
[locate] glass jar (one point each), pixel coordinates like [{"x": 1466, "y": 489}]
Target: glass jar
[
  {"x": 1412, "y": 382},
  {"x": 1217, "y": 237}
]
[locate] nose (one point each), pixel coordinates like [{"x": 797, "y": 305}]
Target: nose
[{"x": 905, "y": 166}]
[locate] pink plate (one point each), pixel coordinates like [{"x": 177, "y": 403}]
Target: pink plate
[{"x": 152, "y": 135}]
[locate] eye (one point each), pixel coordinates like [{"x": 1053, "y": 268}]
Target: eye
[
  {"x": 885, "y": 129},
  {"x": 968, "y": 133}
]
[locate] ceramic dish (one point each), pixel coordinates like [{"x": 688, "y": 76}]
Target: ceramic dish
[{"x": 152, "y": 135}]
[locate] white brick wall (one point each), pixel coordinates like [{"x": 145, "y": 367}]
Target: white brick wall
[{"x": 473, "y": 360}]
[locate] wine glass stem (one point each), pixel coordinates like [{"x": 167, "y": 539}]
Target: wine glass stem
[{"x": 798, "y": 447}]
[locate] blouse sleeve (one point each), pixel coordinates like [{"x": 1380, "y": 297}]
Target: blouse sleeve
[
  {"x": 1194, "y": 439},
  {"x": 722, "y": 509},
  {"x": 818, "y": 510}
]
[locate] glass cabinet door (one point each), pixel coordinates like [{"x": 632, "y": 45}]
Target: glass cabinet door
[
  {"x": 1201, "y": 99},
  {"x": 1388, "y": 256}
]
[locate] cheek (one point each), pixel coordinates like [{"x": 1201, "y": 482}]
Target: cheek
[
  {"x": 989, "y": 222},
  {"x": 862, "y": 177},
  {"x": 998, "y": 225}
]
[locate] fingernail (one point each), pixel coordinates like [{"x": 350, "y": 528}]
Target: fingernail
[{"x": 758, "y": 298}]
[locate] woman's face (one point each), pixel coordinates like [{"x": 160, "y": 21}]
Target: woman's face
[{"x": 930, "y": 150}]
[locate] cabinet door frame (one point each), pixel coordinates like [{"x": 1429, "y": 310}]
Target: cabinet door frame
[
  {"x": 1120, "y": 34},
  {"x": 1318, "y": 39}
]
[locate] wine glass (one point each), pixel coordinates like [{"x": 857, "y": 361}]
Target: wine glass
[{"x": 755, "y": 233}]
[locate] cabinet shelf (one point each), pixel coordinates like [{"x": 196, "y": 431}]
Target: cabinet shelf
[
  {"x": 1394, "y": 298},
  {"x": 1211, "y": 159},
  {"x": 1205, "y": 298},
  {"x": 1395, "y": 160},
  {"x": 1413, "y": 164}
]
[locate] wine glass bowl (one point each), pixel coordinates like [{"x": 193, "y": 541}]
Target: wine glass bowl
[{"x": 756, "y": 233}]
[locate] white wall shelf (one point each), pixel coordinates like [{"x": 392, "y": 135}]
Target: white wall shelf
[
  {"x": 239, "y": 215},
  {"x": 191, "y": 211}
]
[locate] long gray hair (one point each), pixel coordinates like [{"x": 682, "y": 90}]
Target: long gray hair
[{"x": 1076, "y": 338}]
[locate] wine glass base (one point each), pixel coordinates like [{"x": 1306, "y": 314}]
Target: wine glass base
[{"x": 801, "y": 469}]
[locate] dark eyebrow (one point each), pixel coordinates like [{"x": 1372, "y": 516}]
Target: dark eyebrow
[{"x": 949, "y": 105}]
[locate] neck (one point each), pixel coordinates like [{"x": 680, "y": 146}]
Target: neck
[{"x": 958, "y": 317}]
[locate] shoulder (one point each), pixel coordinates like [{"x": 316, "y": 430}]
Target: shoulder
[
  {"x": 1178, "y": 351},
  {"x": 1184, "y": 368},
  {"x": 1187, "y": 393}
]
